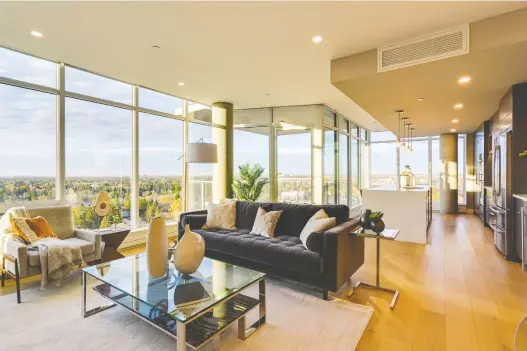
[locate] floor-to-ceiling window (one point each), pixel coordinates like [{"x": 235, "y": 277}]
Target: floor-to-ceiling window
[
  {"x": 160, "y": 167},
  {"x": 461, "y": 169},
  {"x": 27, "y": 145},
  {"x": 383, "y": 159},
  {"x": 416, "y": 159},
  {"x": 251, "y": 145},
  {"x": 98, "y": 158},
  {"x": 330, "y": 155},
  {"x": 294, "y": 165},
  {"x": 199, "y": 174},
  {"x": 344, "y": 158},
  {"x": 160, "y": 157}
]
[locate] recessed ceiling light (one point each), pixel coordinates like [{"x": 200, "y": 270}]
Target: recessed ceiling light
[
  {"x": 452, "y": 130},
  {"x": 181, "y": 84},
  {"x": 317, "y": 39},
  {"x": 36, "y": 34},
  {"x": 458, "y": 106},
  {"x": 421, "y": 99},
  {"x": 156, "y": 46},
  {"x": 455, "y": 120},
  {"x": 464, "y": 80}
]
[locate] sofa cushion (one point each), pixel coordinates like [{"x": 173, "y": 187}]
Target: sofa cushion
[
  {"x": 285, "y": 251},
  {"x": 87, "y": 248}
]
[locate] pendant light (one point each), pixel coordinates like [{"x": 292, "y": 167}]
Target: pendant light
[
  {"x": 412, "y": 139},
  {"x": 409, "y": 126},
  {"x": 399, "y": 113},
  {"x": 405, "y": 144}
]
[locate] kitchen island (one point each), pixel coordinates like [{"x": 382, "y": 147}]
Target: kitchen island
[{"x": 407, "y": 209}]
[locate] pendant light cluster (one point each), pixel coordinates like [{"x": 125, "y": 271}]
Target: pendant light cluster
[{"x": 406, "y": 141}]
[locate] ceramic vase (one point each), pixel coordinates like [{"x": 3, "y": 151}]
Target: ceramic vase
[
  {"x": 157, "y": 248},
  {"x": 189, "y": 252},
  {"x": 377, "y": 225},
  {"x": 364, "y": 220}
]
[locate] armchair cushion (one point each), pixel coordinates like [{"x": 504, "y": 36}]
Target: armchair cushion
[
  {"x": 60, "y": 219},
  {"x": 84, "y": 235}
]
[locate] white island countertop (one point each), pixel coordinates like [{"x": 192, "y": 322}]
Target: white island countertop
[
  {"x": 521, "y": 196},
  {"x": 406, "y": 209},
  {"x": 392, "y": 187}
]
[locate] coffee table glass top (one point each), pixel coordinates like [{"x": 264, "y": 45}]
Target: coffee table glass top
[{"x": 182, "y": 297}]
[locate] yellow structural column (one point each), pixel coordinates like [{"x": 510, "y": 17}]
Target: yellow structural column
[
  {"x": 448, "y": 177},
  {"x": 222, "y": 172}
]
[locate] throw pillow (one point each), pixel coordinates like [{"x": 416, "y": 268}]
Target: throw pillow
[
  {"x": 222, "y": 215},
  {"x": 317, "y": 223},
  {"x": 32, "y": 229},
  {"x": 265, "y": 222},
  {"x": 22, "y": 230}
]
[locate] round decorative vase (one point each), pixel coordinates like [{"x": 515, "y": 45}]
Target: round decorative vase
[
  {"x": 189, "y": 252},
  {"x": 377, "y": 226},
  {"x": 157, "y": 248},
  {"x": 364, "y": 221}
]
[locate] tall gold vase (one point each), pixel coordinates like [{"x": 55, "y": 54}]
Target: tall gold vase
[{"x": 157, "y": 248}]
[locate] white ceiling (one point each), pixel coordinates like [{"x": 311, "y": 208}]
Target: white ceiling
[{"x": 228, "y": 51}]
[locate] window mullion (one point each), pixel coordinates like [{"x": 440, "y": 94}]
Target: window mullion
[
  {"x": 60, "y": 175},
  {"x": 134, "y": 186}
]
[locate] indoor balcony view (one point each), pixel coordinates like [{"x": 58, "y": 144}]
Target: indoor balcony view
[{"x": 181, "y": 175}]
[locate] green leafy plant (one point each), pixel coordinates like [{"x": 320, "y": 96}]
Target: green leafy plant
[
  {"x": 374, "y": 216},
  {"x": 250, "y": 184},
  {"x": 407, "y": 170}
]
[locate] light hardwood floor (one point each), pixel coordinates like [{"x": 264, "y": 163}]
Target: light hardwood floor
[{"x": 456, "y": 293}]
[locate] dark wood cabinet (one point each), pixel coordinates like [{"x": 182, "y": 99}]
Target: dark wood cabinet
[
  {"x": 481, "y": 165},
  {"x": 520, "y": 230}
]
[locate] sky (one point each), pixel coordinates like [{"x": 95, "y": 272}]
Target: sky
[{"x": 99, "y": 137}]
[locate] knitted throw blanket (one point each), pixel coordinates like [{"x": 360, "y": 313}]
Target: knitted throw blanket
[{"x": 57, "y": 259}]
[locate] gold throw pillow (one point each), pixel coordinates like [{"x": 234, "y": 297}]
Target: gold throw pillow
[
  {"x": 222, "y": 215},
  {"x": 32, "y": 229}
]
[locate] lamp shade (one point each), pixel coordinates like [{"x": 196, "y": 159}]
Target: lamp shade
[{"x": 202, "y": 153}]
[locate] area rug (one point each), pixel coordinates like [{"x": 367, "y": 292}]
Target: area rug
[{"x": 296, "y": 320}]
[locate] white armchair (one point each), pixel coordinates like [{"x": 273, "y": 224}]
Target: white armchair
[{"x": 19, "y": 262}]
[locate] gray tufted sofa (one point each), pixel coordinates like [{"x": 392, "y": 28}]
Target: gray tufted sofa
[{"x": 330, "y": 259}]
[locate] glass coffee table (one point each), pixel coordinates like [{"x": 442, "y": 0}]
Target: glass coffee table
[{"x": 194, "y": 308}]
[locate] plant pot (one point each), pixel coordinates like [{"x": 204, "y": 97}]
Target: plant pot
[
  {"x": 157, "y": 248},
  {"x": 377, "y": 226},
  {"x": 189, "y": 252},
  {"x": 364, "y": 221}
]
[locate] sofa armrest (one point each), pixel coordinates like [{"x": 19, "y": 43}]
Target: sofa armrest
[
  {"x": 343, "y": 254},
  {"x": 18, "y": 250},
  {"x": 92, "y": 237},
  {"x": 196, "y": 220}
]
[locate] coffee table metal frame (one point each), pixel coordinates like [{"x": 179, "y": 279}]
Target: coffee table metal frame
[
  {"x": 243, "y": 331},
  {"x": 377, "y": 286}
]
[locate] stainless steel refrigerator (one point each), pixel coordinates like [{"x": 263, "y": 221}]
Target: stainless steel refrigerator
[{"x": 500, "y": 214}]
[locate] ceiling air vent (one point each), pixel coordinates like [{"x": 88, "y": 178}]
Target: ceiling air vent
[{"x": 438, "y": 46}]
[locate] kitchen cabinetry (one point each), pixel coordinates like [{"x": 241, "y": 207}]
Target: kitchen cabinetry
[
  {"x": 520, "y": 227},
  {"x": 481, "y": 166}
]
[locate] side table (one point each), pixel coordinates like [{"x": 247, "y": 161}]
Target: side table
[
  {"x": 387, "y": 234},
  {"x": 112, "y": 239}
]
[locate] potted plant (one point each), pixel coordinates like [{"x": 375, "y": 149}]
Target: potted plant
[
  {"x": 376, "y": 223},
  {"x": 249, "y": 186}
]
